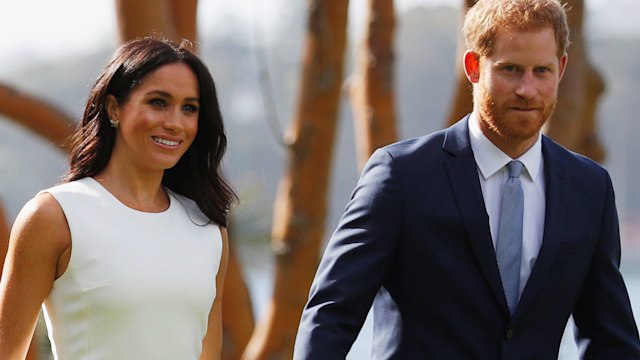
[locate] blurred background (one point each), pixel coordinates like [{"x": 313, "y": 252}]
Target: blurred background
[{"x": 53, "y": 50}]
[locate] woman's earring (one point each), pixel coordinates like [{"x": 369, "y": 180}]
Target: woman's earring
[{"x": 114, "y": 123}]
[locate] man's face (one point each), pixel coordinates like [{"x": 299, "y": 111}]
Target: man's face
[{"x": 517, "y": 86}]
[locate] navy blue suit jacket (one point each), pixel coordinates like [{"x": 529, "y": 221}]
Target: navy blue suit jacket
[{"x": 415, "y": 243}]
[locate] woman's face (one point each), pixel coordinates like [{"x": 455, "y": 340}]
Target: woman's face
[{"x": 159, "y": 120}]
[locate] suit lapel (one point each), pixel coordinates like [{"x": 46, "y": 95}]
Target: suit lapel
[
  {"x": 555, "y": 213},
  {"x": 468, "y": 195}
]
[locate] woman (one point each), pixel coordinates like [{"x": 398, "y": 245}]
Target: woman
[{"x": 130, "y": 252}]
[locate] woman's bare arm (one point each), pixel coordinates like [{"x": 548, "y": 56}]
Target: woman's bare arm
[
  {"x": 39, "y": 237},
  {"x": 212, "y": 342}
]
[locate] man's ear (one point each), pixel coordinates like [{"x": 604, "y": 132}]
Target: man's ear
[
  {"x": 471, "y": 64},
  {"x": 111, "y": 105},
  {"x": 563, "y": 65}
]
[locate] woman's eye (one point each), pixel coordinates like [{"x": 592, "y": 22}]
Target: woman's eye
[
  {"x": 190, "y": 108},
  {"x": 158, "y": 102}
]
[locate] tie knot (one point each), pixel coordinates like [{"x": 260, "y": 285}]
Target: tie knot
[{"x": 515, "y": 168}]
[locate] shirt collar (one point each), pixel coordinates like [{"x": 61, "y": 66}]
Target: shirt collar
[{"x": 491, "y": 159}]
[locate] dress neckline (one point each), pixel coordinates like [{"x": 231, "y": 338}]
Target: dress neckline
[{"x": 98, "y": 186}]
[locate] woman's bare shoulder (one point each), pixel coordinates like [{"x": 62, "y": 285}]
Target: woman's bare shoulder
[{"x": 42, "y": 221}]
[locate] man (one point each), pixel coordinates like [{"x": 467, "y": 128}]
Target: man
[{"x": 461, "y": 260}]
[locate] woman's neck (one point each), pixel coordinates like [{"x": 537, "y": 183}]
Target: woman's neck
[{"x": 137, "y": 188}]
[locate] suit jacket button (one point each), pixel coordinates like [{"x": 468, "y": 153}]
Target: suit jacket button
[{"x": 509, "y": 334}]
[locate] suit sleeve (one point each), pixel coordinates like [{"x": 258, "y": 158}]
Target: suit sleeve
[
  {"x": 354, "y": 264},
  {"x": 605, "y": 324}
]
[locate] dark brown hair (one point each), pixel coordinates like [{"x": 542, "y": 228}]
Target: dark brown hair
[{"x": 197, "y": 174}]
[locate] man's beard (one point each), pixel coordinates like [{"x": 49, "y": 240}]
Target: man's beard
[{"x": 505, "y": 123}]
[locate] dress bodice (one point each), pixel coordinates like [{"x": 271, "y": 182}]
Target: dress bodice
[{"x": 138, "y": 285}]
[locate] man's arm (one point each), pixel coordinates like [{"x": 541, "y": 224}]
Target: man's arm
[
  {"x": 354, "y": 264},
  {"x": 605, "y": 324}
]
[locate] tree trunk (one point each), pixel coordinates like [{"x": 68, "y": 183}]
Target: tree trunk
[
  {"x": 184, "y": 18},
  {"x": 301, "y": 202},
  {"x": 573, "y": 124},
  {"x": 171, "y": 19},
  {"x": 589, "y": 144},
  {"x": 36, "y": 115},
  {"x": 237, "y": 316},
  {"x": 372, "y": 88},
  {"x": 462, "y": 102}
]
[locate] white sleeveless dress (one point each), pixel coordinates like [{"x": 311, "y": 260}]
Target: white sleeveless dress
[{"x": 138, "y": 285}]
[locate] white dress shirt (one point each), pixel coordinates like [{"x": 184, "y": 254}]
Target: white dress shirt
[{"x": 492, "y": 172}]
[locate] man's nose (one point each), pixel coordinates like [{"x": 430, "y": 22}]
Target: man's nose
[{"x": 527, "y": 86}]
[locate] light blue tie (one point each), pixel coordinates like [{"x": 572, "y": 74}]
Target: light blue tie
[{"x": 509, "y": 244}]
